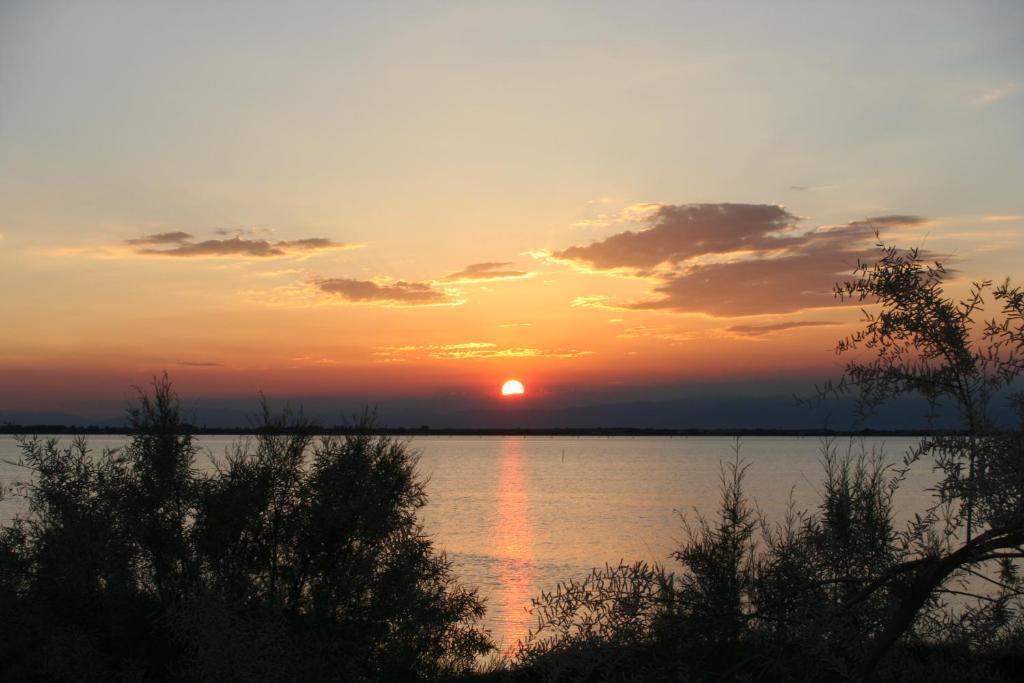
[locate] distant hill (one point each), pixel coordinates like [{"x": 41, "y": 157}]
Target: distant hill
[{"x": 710, "y": 413}]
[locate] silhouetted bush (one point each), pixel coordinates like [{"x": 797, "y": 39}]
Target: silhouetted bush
[
  {"x": 829, "y": 594},
  {"x": 299, "y": 558}
]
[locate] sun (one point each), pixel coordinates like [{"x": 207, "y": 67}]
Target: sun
[{"x": 513, "y": 387}]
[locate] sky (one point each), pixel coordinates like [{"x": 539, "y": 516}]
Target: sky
[{"x": 405, "y": 204}]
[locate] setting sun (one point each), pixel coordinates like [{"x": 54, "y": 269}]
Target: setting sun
[{"x": 512, "y": 387}]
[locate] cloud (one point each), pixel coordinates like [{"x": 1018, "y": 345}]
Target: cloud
[
  {"x": 595, "y": 301},
  {"x": 486, "y": 272},
  {"x": 430, "y": 293},
  {"x": 887, "y": 221},
  {"x": 993, "y": 95},
  {"x": 199, "y": 364},
  {"x": 659, "y": 333},
  {"x": 678, "y": 233},
  {"x": 761, "y": 330},
  {"x": 316, "y": 361},
  {"x": 311, "y": 244},
  {"x": 396, "y": 293},
  {"x": 160, "y": 238},
  {"x": 674, "y": 334},
  {"x": 731, "y": 260},
  {"x": 755, "y": 287},
  {"x": 1004, "y": 218},
  {"x": 474, "y": 350},
  {"x": 600, "y": 221},
  {"x": 277, "y": 272},
  {"x": 630, "y": 214},
  {"x": 813, "y": 188},
  {"x": 233, "y": 246}
]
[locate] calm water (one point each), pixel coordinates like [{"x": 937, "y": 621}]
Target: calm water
[{"x": 517, "y": 515}]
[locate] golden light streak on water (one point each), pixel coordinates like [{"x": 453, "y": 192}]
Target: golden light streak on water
[{"x": 513, "y": 544}]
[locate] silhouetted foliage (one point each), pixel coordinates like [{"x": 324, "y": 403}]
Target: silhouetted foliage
[
  {"x": 926, "y": 343},
  {"x": 828, "y": 594},
  {"x": 301, "y": 558},
  {"x": 298, "y": 558}
]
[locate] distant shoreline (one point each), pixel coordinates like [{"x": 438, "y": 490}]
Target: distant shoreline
[{"x": 455, "y": 431}]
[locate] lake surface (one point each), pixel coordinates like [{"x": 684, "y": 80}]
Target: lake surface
[{"x": 516, "y": 515}]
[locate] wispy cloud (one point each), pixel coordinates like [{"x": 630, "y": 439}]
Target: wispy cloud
[
  {"x": 399, "y": 293},
  {"x": 629, "y": 214},
  {"x": 160, "y": 238},
  {"x": 199, "y": 364},
  {"x": 183, "y": 245},
  {"x": 773, "y": 328},
  {"x": 595, "y": 301},
  {"x": 993, "y": 95},
  {"x": 487, "y": 272},
  {"x": 1004, "y": 218},
  {"x": 669, "y": 334},
  {"x": 813, "y": 188},
  {"x": 443, "y": 292},
  {"x": 310, "y": 360},
  {"x": 474, "y": 350},
  {"x": 179, "y": 245}
]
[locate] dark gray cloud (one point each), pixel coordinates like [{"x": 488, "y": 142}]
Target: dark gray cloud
[
  {"x": 691, "y": 252},
  {"x": 761, "y": 330},
  {"x": 405, "y": 293},
  {"x": 161, "y": 238},
  {"x": 233, "y": 246},
  {"x": 489, "y": 270}
]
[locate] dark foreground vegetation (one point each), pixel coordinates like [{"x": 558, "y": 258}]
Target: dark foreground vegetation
[
  {"x": 841, "y": 592},
  {"x": 344, "y": 430},
  {"x": 301, "y": 557}
]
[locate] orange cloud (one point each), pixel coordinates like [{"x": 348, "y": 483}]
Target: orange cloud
[
  {"x": 475, "y": 350},
  {"x": 161, "y": 238},
  {"x": 659, "y": 333},
  {"x": 486, "y": 272},
  {"x": 678, "y": 233},
  {"x": 762, "y": 330},
  {"x": 400, "y": 292},
  {"x": 236, "y": 246},
  {"x": 755, "y": 287},
  {"x": 731, "y": 260}
]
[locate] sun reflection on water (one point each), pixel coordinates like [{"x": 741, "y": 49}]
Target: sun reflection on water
[{"x": 513, "y": 546}]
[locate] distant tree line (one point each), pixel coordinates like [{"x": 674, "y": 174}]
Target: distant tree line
[{"x": 425, "y": 430}]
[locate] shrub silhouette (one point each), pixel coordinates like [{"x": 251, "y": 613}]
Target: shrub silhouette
[
  {"x": 299, "y": 558},
  {"x": 829, "y": 594}
]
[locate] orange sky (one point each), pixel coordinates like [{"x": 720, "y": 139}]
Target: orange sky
[{"x": 331, "y": 202}]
